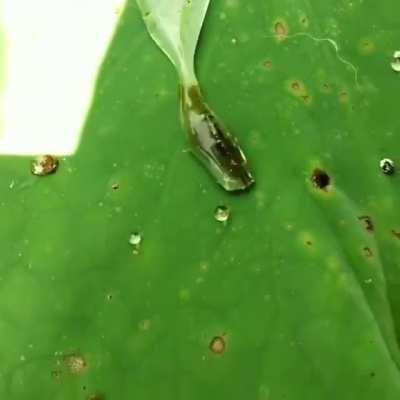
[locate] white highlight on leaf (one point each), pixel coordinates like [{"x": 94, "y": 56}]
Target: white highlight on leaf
[
  {"x": 335, "y": 46},
  {"x": 53, "y": 50}
]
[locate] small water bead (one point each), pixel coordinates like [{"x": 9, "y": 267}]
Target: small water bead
[
  {"x": 135, "y": 239},
  {"x": 387, "y": 166},
  {"x": 396, "y": 61},
  {"x": 222, "y": 213},
  {"x": 44, "y": 165}
]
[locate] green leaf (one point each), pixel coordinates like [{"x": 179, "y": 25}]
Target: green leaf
[{"x": 303, "y": 292}]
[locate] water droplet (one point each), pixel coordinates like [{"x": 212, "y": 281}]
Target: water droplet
[
  {"x": 135, "y": 238},
  {"x": 44, "y": 165},
  {"x": 396, "y": 61},
  {"x": 387, "y": 166},
  {"x": 222, "y": 213}
]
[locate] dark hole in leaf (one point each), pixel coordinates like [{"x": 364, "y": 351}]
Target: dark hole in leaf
[
  {"x": 321, "y": 179},
  {"x": 367, "y": 221}
]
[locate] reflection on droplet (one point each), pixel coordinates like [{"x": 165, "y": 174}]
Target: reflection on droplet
[
  {"x": 387, "y": 166},
  {"x": 44, "y": 165},
  {"x": 222, "y": 213},
  {"x": 135, "y": 240},
  {"x": 396, "y": 61}
]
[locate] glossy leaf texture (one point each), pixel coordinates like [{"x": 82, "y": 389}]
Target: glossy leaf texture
[{"x": 294, "y": 297}]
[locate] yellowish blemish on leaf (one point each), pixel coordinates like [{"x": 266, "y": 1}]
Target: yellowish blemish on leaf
[
  {"x": 304, "y": 22},
  {"x": 326, "y": 88},
  {"x": 307, "y": 239},
  {"x": 299, "y": 90},
  {"x": 366, "y": 46},
  {"x": 344, "y": 96},
  {"x": 281, "y": 30}
]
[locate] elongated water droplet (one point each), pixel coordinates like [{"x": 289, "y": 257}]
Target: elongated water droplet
[
  {"x": 396, "y": 61},
  {"x": 387, "y": 166},
  {"x": 222, "y": 213},
  {"x": 212, "y": 144}
]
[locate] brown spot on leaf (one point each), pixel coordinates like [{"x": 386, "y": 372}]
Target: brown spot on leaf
[
  {"x": 367, "y": 221},
  {"x": 295, "y": 86},
  {"x": 366, "y": 46},
  {"x": 320, "y": 179},
  {"x": 343, "y": 96},
  {"x": 96, "y": 396},
  {"x": 304, "y": 21},
  {"x": 56, "y": 374},
  {"x": 396, "y": 234},
  {"x": 217, "y": 345},
  {"x": 326, "y": 87},
  {"x": 306, "y": 99},
  {"x": 75, "y": 363},
  {"x": 367, "y": 252},
  {"x": 281, "y": 30},
  {"x": 267, "y": 64},
  {"x": 115, "y": 186}
]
